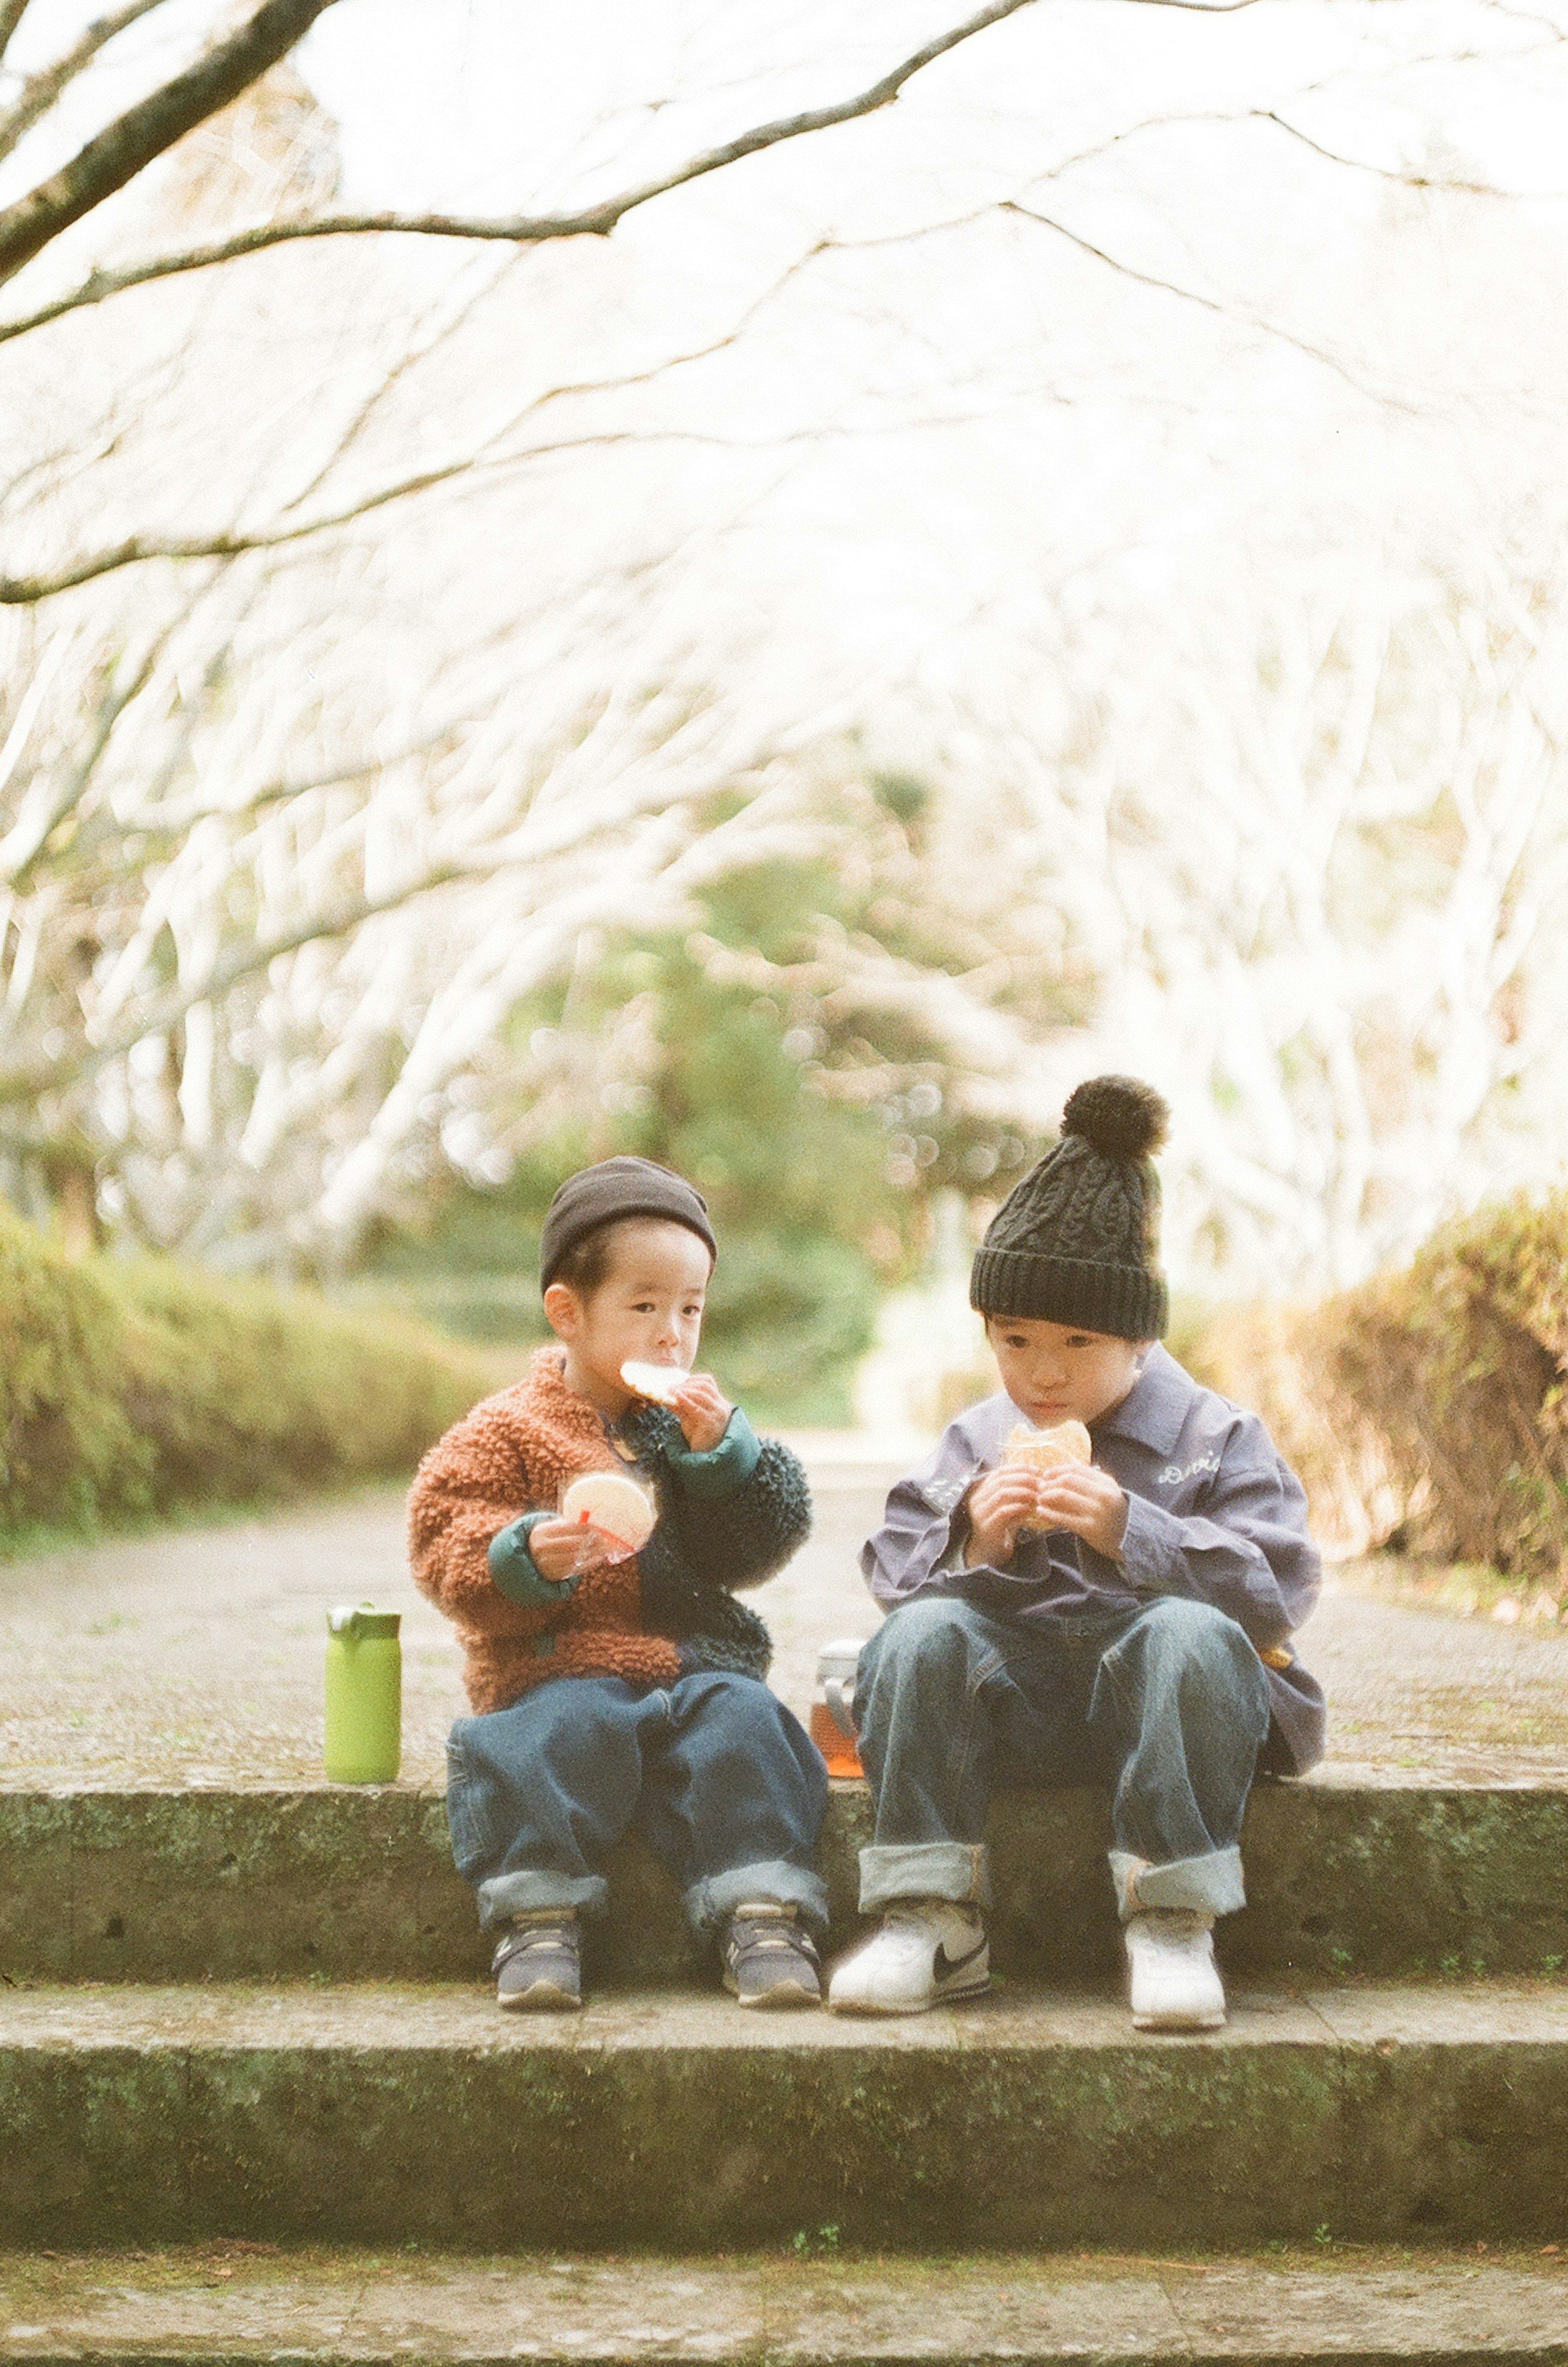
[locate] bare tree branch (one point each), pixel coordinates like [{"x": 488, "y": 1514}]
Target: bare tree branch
[
  {"x": 1207, "y": 303},
  {"x": 596, "y": 221},
  {"x": 23, "y": 845},
  {"x": 40, "y": 90},
  {"x": 145, "y": 131},
  {"x": 11, "y": 15},
  {"x": 25, "y": 591},
  {"x": 448, "y": 324},
  {"x": 28, "y": 591},
  {"x": 157, "y": 1017},
  {"x": 1404, "y": 174},
  {"x": 174, "y": 821}
]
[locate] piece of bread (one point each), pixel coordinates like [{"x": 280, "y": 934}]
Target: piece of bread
[
  {"x": 1047, "y": 1450},
  {"x": 612, "y": 1505},
  {"x": 659, "y": 1381}
]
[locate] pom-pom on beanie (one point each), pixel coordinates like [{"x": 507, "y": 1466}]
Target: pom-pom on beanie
[
  {"x": 1077, "y": 1240},
  {"x": 616, "y": 1188}
]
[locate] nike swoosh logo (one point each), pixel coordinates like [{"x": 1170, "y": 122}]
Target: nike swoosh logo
[{"x": 945, "y": 1963}]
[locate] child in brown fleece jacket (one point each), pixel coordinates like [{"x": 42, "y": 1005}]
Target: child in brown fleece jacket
[{"x": 628, "y": 1693}]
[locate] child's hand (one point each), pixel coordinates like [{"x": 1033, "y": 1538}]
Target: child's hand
[
  {"x": 702, "y": 1410},
  {"x": 555, "y": 1547},
  {"x": 1083, "y": 1498},
  {"x": 998, "y": 1506}
]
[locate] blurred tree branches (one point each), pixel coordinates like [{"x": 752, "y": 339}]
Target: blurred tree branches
[
  {"x": 771, "y": 1054},
  {"x": 1088, "y": 674}
]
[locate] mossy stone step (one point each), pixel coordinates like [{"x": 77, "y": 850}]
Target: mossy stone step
[
  {"x": 387, "y": 2114},
  {"x": 321, "y": 2309},
  {"x": 1381, "y": 1881}
]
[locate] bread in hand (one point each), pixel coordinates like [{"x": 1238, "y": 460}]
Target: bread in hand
[
  {"x": 613, "y": 1505},
  {"x": 1047, "y": 1450},
  {"x": 659, "y": 1381}
]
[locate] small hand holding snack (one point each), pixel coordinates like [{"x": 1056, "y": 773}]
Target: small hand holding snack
[
  {"x": 604, "y": 1517},
  {"x": 1000, "y": 1504},
  {"x": 555, "y": 1548},
  {"x": 1083, "y": 1498},
  {"x": 694, "y": 1398},
  {"x": 1046, "y": 1480}
]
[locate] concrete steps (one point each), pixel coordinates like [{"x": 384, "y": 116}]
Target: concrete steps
[
  {"x": 261, "y": 2016},
  {"x": 1376, "y": 1880},
  {"x": 1362, "y": 2309},
  {"x": 385, "y": 2114}
]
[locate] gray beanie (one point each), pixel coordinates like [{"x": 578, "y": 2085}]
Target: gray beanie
[
  {"x": 1077, "y": 1242},
  {"x": 616, "y": 1188}
]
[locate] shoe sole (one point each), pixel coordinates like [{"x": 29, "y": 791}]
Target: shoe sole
[
  {"x": 783, "y": 1994},
  {"x": 955, "y": 1994},
  {"x": 1179, "y": 2022},
  {"x": 544, "y": 1997}
]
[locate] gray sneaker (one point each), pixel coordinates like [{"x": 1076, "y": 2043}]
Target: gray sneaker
[
  {"x": 537, "y": 1965},
  {"x": 769, "y": 1959}
]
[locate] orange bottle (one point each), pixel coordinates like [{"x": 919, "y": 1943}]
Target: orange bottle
[{"x": 833, "y": 1717}]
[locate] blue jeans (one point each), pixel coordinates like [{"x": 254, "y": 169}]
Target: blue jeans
[
  {"x": 720, "y": 1779},
  {"x": 1166, "y": 1705}
]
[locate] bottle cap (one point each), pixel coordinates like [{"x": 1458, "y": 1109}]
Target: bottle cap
[{"x": 356, "y": 1621}]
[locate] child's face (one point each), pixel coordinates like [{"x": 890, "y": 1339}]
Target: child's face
[
  {"x": 1055, "y": 1371},
  {"x": 648, "y": 1308}
]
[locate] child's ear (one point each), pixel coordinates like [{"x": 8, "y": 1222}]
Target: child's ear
[{"x": 562, "y": 1310}]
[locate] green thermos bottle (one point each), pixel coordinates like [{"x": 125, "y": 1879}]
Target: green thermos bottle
[{"x": 364, "y": 1695}]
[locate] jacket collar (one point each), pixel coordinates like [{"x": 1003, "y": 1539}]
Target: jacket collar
[
  {"x": 1154, "y": 1407},
  {"x": 545, "y": 1393}
]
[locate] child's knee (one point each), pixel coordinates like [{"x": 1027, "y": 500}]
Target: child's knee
[
  {"x": 722, "y": 1698},
  {"x": 928, "y": 1636},
  {"x": 1185, "y": 1640},
  {"x": 723, "y": 1711}
]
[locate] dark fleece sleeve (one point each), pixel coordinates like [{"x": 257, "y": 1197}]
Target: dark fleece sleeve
[
  {"x": 703, "y": 1548},
  {"x": 737, "y": 1540},
  {"x": 749, "y": 1536}
]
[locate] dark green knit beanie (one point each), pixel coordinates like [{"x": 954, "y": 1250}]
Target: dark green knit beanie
[{"x": 1077, "y": 1242}]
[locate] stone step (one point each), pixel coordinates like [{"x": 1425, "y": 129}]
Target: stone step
[
  {"x": 386, "y": 2114},
  {"x": 1378, "y": 1881},
  {"x": 1370, "y": 2308}
]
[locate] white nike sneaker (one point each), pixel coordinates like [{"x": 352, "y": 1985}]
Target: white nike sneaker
[
  {"x": 1173, "y": 1981},
  {"x": 928, "y": 1951}
]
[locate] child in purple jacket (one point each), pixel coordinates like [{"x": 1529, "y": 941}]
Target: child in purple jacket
[{"x": 1124, "y": 1621}]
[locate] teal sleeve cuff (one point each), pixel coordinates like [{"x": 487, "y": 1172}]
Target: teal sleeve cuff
[
  {"x": 721, "y": 1470},
  {"x": 517, "y": 1574}
]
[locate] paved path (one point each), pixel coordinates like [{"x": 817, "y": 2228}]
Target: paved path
[{"x": 195, "y": 1656}]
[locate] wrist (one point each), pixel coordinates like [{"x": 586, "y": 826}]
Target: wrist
[
  {"x": 514, "y": 1571},
  {"x": 720, "y": 1469}
]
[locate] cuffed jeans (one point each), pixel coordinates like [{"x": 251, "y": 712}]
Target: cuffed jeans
[
  {"x": 1167, "y": 1705},
  {"x": 720, "y": 1779}
]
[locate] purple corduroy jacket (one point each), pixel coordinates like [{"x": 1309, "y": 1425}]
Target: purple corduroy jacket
[{"x": 1214, "y": 1513}]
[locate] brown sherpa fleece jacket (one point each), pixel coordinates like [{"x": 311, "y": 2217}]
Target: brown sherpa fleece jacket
[{"x": 512, "y": 1455}]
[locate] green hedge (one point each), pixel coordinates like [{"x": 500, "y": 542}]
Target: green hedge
[
  {"x": 1427, "y": 1408},
  {"x": 132, "y": 1390}
]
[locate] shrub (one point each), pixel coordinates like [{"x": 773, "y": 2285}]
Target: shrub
[
  {"x": 148, "y": 1388},
  {"x": 69, "y": 1452},
  {"x": 1427, "y": 1408}
]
